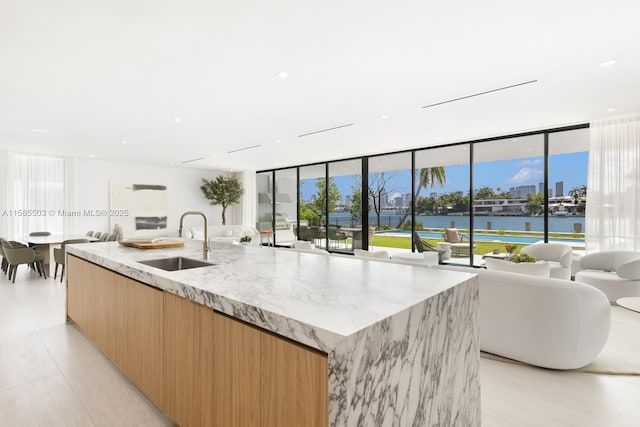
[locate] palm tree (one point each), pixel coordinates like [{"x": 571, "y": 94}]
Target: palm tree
[{"x": 427, "y": 177}]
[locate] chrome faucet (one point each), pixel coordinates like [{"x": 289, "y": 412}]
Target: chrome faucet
[{"x": 205, "y": 246}]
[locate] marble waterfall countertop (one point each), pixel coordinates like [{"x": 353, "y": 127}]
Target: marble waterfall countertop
[
  {"x": 313, "y": 299},
  {"x": 402, "y": 340}
]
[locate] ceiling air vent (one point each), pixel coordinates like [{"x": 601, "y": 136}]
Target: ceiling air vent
[
  {"x": 325, "y": 130},
  {"x": 192, "y": 160},
  {"x": 480, "y": 93},
  {"x": 245, "y": 148}
]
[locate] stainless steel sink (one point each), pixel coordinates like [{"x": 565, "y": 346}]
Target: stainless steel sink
[{"x": 175, "y": 263}]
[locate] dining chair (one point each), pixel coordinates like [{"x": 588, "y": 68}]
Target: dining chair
[
  {"x": 97, "y": 235},
  {"x": 22, "y": 255},
  {"x": 104, "y": 237},
  {"x": 5, "y": 263},
  {"x": 40, "y": 233},
  {"x": 89, "y": 233},
  {"x": 59, "y": 255},
  {"x": 111, "y": 237}
]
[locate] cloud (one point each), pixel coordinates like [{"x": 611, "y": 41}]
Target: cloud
[
  {"x": 525, "y": 175},
  {"x": 529, "y": 163}
]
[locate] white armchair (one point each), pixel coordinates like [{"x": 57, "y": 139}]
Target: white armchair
[
  {"x": 616, "y": 273},
  {"x": 557, "y": 255}
]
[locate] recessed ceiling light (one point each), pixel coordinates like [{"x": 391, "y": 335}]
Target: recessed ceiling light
[
  {"x": 611, "y": 110},
  {"x": 384, "y": 116},
  {"x": 91, "y": 156},
  {"x": 277, "y": 140},
  {"x": 608, "y": 63},
  {"x": 177, "y": 119},
  {"x": 172, "y": 164},
  {"x": 123, "y": 142},
  {"x": 283, "y": 75},
  {"x": 38, "y": 130}
]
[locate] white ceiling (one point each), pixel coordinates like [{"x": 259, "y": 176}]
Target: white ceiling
[{"x": 93, "y": 73}]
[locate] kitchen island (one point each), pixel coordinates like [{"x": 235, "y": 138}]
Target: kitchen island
[{"x": 269, "y": 336}]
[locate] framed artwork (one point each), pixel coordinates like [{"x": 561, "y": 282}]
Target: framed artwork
[{"x": 139, "y": 209}]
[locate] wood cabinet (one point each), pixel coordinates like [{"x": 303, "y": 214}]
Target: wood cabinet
[
  {"x": 139, "y": 349},
  {"x": 202, "y": 368},
  {"x": 123, "y": 317}
]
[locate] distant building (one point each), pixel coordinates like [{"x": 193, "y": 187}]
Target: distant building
[
  {"x": 522, "y": 191},
  {"x": 384, "y": 200},
  {"x": 560, "y": 189},
  {"x": 541, "y": 187}
]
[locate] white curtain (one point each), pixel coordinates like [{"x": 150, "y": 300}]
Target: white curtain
[
  {"x": 613, "y": 187},
  {"x": 35, "y": 196}
]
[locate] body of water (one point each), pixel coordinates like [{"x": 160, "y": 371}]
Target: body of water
[{"x": 557, "y": 224}]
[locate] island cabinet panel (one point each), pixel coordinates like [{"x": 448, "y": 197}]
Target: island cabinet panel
[
  {"x": 79, "y": 292},
  {"x": 294, "y": 384},
  {"x": 181, "y": 322},
  {"x": 212, "y": 367},
  {"x": 139, "y": 313},
  {"x": 122, "y": 317},
  {"x": 238, "y": 398},
  {"x": 222, "y": 372}
]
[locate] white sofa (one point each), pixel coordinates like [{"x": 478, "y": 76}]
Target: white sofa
[
  {"x": 547, "y": 322},
  {"x": 223, "y": 233},
  {"x": 616, "y": 273}
]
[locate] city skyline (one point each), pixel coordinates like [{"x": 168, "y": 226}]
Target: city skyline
[{"x": 570, "y": 169}]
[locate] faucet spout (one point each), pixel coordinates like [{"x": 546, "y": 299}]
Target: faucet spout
[{"x": 205, "y": 245}]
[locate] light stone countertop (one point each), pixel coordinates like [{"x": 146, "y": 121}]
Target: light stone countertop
[{"x": 313, "y": 299}]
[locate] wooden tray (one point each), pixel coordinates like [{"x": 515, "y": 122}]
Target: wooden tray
[{"x": 158, "y": 244}]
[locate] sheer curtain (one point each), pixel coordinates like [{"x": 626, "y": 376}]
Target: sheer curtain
[
  {"x": 613, "y": 192},
  {"x": 34, "y": 194}
]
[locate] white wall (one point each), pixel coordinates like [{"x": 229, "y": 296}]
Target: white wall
[{"x": 92, "y": 178}]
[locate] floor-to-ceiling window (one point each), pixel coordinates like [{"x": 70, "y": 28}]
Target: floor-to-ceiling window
[
  {"x": 344, "y": 204},
  {"x": 286, "y": 203},
  {"x": 525, "y": 188},
  {"x": 264, "y": 191},
  {"x": 442, "y": 196},
  {"x": 313, "y": 204},
  {"x": 568, "y": 164},
  {"x": 509, "y": 186},
  {"x": 390, "y": 198}
]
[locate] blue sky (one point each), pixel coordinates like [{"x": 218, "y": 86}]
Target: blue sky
[{"x": 570, "y": 168}]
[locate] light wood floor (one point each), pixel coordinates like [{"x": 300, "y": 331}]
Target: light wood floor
[{"x": 51, "y": 375}]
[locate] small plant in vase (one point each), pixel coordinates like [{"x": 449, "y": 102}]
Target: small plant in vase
[
  {"x": 245, "y": 240},
  {"x": 523, "y": 258}
]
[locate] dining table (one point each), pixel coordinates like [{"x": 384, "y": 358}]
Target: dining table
[
  {"x": 356, "y": 236},
  {"x": 45, "y": 245}
]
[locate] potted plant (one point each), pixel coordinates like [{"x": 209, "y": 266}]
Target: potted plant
[{"x": 223, "y": 191}]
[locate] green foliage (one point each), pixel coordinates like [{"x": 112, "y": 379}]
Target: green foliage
[
  {"x": 535, "y": 203},
  {"x": 356, "y": 202},
  {"x": 223, "y": 191},
  {"x": 314, "y": 210},
  {"x": 518, "y": 258},
  {"x": 245, "y": 239},
  {"x": 484, "y": 193},
  {"x": 407, "y": 225}
]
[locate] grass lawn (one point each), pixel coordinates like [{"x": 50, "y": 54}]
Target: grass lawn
[{"x": 405, "y": 243}]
